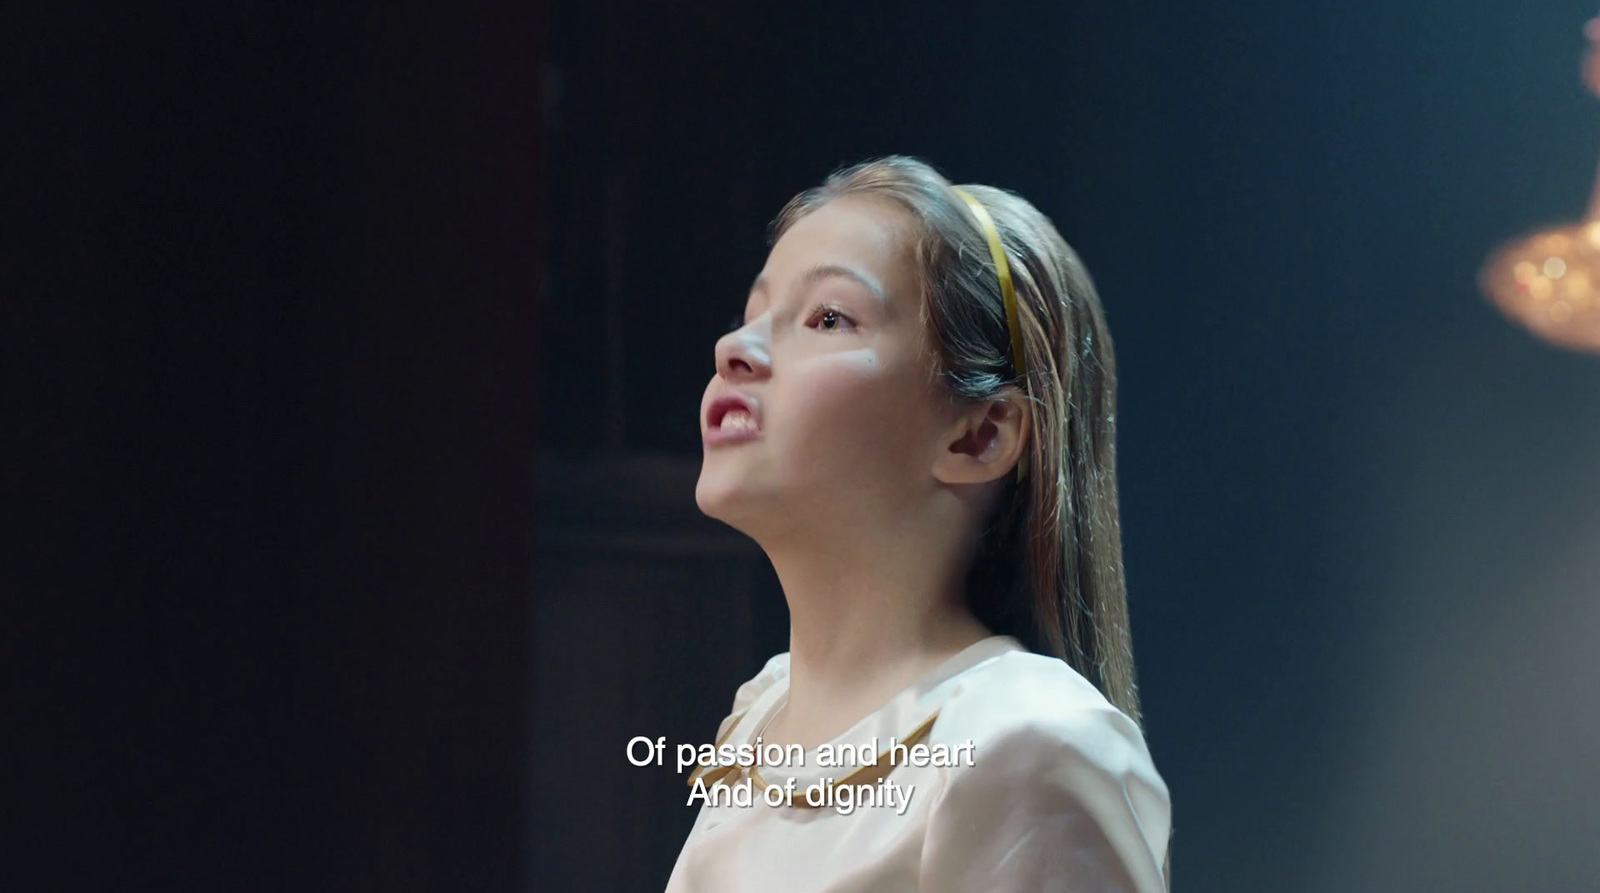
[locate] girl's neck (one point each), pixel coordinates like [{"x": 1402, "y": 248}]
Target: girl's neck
[{"x": 861, "y": 632}]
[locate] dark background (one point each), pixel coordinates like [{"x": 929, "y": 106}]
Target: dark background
[
  {"x": 272, "y": 367},
  {"x": 353, "y": 360}
]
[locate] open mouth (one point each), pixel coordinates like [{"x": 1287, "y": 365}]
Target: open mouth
[
  {"x": 736, "y": 420},
  {"x": 732, "y": 417}
]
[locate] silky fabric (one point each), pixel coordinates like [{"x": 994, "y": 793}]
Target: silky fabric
[{"x": 1060, "y": 794}]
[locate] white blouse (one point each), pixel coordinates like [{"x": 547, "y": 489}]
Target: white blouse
[{"x": 1011, "y": 773}]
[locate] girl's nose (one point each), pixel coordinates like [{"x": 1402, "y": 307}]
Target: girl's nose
[{"x": 742, "y": 355}]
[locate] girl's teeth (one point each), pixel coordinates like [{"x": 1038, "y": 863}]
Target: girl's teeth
[{"x": 738, "y": 420}]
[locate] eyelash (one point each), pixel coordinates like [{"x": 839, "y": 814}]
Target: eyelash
[
  {"x": 825, "y": 308},
  {"x": 739, "y": 322}
]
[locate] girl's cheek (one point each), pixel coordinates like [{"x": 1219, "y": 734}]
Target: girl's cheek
[
  {"x": 844, "y": 403},
  {"x": 846, "y": 370},
  {"x": 841, "y": 384}
]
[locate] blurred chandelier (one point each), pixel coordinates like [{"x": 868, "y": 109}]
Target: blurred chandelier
[{"x": 1550, "y": 281}]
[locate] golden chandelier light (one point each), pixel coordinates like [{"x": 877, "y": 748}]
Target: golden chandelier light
[{"x": 1550, "y": 281}]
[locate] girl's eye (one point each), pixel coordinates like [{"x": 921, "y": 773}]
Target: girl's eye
[{"x": 830, "y": 320}]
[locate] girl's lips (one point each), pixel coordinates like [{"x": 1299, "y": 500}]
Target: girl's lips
[
  {"x": 719, "y": 409},
  {"x": 718, "y": 436}
]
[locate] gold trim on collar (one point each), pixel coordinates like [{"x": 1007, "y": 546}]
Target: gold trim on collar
[
  {"x": 866, "y": 774},
  {"x": 714, "y": 774}
]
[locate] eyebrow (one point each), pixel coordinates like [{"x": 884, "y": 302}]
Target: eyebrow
[{"x": 823, "y": 271}]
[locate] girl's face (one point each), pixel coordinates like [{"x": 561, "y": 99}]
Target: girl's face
[{"x": 834, "y": 367}]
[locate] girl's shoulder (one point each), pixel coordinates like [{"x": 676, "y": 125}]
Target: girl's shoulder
[
  {"x": 1020, "y": 691},
  {"x": 1053, "y": 768}
]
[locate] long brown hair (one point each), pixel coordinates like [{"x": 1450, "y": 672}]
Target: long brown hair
[{"x": 1049, "y": 565}]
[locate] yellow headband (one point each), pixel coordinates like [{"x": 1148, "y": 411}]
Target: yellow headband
[{"x": 1009, "y": 294}]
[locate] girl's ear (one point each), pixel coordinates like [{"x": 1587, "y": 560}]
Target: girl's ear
[{"x": 985, "y": 443}]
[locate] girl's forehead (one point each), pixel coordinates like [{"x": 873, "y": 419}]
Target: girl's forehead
[{"x": 868, "y": 235}]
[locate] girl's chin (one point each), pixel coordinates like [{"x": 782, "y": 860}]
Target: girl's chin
[
  {"x": 730, "y": 497},
  {"x": 717, "y": 498}
]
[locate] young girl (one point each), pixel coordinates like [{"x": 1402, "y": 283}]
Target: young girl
[{"x": 915, "y": 420}]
